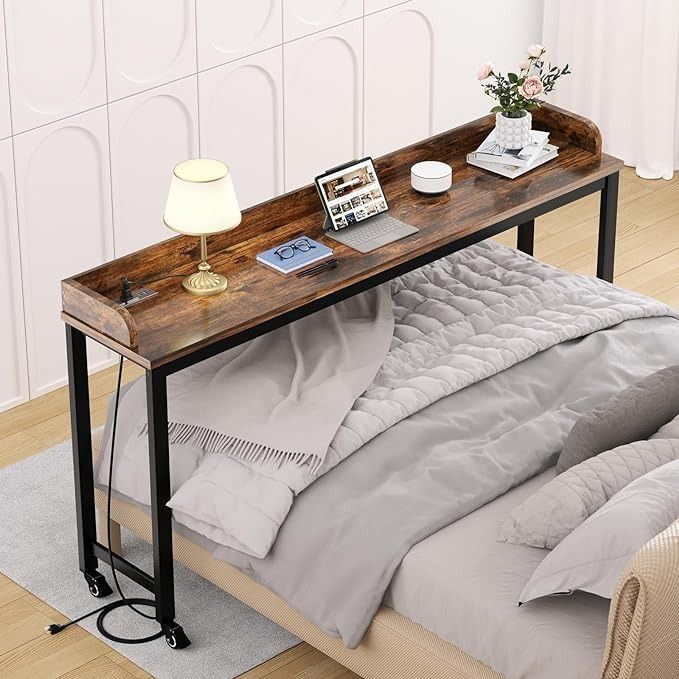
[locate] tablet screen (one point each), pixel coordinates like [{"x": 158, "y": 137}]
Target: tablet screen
[{"x": 351, "y": 194}]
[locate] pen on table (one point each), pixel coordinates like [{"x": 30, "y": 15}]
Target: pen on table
[{"x": 324, "y": 266}]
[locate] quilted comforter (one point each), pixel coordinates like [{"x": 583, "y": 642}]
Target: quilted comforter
[{"x": 458, "y": 321}]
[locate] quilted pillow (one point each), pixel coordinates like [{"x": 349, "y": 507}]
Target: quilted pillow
[
  {"x": 561, "y": 505},
  {"x": 594, "y": 555},
  {"x": 634, "y": 414}
]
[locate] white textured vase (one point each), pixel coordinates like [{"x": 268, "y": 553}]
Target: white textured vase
[{"x": 513, "y": 133}]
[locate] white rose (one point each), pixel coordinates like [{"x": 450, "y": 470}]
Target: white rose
[
  {"x": 535, "y": 51},
  {"x": 485, "y": 71}
]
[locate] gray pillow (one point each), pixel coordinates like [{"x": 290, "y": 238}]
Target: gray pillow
[
  {"x": 634, "y": 414},
  {"x": 594, "y": 555},
  {"x": 548, "y": 516}
]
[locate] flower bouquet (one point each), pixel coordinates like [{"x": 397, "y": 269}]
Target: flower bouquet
[{"x": 518, "y": 94}]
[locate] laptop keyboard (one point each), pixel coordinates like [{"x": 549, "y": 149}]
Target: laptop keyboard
[{"x": 372, "y": 229}]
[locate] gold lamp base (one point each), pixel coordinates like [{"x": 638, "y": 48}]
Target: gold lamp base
[{"x": 205, "y": 281}]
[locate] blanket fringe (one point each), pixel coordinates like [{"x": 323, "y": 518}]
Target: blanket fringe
[{"x": 212, "y": 441}]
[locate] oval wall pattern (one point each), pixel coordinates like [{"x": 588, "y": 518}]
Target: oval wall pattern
[
  {"x": 55, "y": 59},
  {"x": 150, "y": 133},
  {"x": 106, "y": 96},
  {"x": 399, "y": 46},
  {"x": 303, "y": 17},
  {"x": 225, "y": 34},
  {"x": 148, "y": 43},
  {"x": 328, "y": 128},
  {"x": 63, "y": 192},
  {"x": 255, "y": 158}
]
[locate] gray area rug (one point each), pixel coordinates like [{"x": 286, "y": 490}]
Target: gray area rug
[{"x": 38, "y": 550}]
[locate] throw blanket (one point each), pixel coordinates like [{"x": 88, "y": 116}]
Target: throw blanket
[
  {"x": 281, "y": 397},
  {"x": 458, "y": 321}
]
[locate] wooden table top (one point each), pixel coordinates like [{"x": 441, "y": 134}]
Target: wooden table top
[{"x": 174, "y": 323}]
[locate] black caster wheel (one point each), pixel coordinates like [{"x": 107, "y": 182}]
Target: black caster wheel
[
  {"x": 97, "y": 585},
  {"x": 176, "y": 638}
]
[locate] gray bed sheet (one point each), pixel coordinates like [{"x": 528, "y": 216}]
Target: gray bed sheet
[
  {"x": 462, "y": 584},
  {"x": 325, "y": 556}
]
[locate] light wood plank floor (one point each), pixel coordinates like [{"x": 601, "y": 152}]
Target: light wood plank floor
[{"x": 647, "y": 260}]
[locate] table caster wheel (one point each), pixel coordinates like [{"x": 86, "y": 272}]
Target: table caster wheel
[
  {"x": 176, "y": 638},
  {"x": 97, "y": 585}
]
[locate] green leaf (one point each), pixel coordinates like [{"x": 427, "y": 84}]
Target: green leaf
[
  {"x": 513, "y": 78},
  {"x": 496, "y": 109}
]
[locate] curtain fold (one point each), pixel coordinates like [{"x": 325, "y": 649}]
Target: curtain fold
[{"x": 625, "y": 62}]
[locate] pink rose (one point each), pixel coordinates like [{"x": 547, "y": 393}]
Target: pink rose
[
  {"x": 535, "y": 51},
  {"x": 524, "y": 65},
  {"x": 485, "y": 71},
  {"x": 531, "y": 87}
]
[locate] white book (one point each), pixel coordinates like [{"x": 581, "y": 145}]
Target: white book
[
  {"x": 490, "y": 151},
  {"x": 512, "y": 171}
]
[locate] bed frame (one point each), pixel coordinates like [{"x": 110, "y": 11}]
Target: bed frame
[{"x": 173, "y": 330}]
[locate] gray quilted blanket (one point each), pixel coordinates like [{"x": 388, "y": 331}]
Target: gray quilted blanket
[{"x": 457, "y": 321}]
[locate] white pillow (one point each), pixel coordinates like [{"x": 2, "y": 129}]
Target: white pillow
[
  {"x": 594, "y": 555},
  {"x": 560, "y": 506},
  {"x": 669, "y": 430}
]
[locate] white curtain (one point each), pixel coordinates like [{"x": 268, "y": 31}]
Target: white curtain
[{"x": 625, "y": 61}]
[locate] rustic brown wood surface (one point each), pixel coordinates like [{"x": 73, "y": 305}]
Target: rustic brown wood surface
[{"x": 174, "y": 323}]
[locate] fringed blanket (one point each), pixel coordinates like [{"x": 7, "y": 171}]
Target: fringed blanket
[{"x": 279, "y": 399}]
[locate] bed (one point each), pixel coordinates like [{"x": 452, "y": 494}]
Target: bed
[{"x": 450, "y": 608}]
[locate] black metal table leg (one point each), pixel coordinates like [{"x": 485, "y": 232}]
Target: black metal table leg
[
  {"x": 608, "y": 215},
  {"x": 526, "y": 237},
  {"x": 159, "y": 467},
  {"x": 83, "y": 474}
]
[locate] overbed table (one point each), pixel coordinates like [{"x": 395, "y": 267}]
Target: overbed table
[{"x": 174, "y": 330}]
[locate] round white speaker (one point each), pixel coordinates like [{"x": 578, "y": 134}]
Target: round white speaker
[{"x": 431, "y": 176}]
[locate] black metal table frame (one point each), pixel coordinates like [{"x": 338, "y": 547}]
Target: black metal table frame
[{"x": 161, "y": 583}]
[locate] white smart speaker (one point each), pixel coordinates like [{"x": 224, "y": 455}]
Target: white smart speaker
[{"x": 431, "y": 176}]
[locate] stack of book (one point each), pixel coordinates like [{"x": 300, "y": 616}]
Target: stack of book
[{"x": 513, "y": 163}]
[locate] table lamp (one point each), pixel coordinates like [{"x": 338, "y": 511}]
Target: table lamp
[{"x": 202, "y": 201}]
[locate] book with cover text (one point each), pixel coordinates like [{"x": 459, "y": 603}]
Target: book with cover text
[{"x": 299, "y": 259}]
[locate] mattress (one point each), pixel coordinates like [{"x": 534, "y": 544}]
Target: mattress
[{"x": 464, "y": 585}]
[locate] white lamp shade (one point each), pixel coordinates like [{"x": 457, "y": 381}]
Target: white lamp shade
[{"x": 202, "y": 199}]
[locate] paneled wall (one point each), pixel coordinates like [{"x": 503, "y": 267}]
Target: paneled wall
[{"x": 100, "y": 98}]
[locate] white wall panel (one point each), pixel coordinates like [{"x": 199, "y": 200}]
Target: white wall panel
[
  {"x": 323, "y": 102},
  {"x": 378, "y": 5},
  {"x": 399, "y": 94},
  {"x": 230, "y": 29},
  {"x": 5, "y": 118},
  {"x": 13, "y": 376},
  {"x": 63, "y": 191},
  {"x": 150, "y": 133},
  {"x": 148, "y": 43},
  {"x": 302, "y": 17},
  {"x": 241, "y": 122},
  {"x": 56, "y": 59},
  {"x": 465, "y": 38}
]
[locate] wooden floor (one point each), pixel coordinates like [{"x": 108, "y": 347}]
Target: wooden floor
[{"x": 647, "y": 260}]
